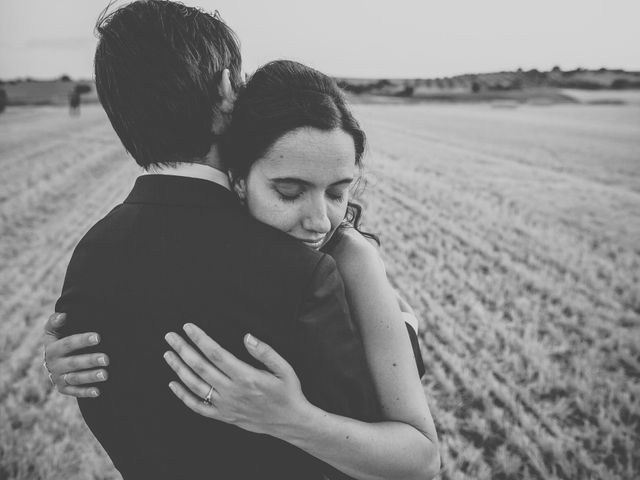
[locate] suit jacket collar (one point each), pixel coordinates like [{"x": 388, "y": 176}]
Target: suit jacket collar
[{"x": 181, "y": 191}]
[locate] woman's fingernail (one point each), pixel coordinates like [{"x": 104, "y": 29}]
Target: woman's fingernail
[
  {"x": 188, "y": 327},
  {"x": 102, "y": 361},
  {"x": 165, "y": 355},
  {"x": 169, "y": 337},
  {"x": 172, "y": 386},
  {"x": 93, "y": 339},
  {"x": 251, "y": 340},
  {"x": 100, "y": 375},
  {"x": 95, "y": 393}
]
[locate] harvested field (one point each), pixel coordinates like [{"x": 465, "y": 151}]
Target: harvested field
[{"x": 515, "y": 233}]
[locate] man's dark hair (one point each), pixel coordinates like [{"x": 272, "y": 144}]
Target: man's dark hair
[{"x": 158, "y": 66}]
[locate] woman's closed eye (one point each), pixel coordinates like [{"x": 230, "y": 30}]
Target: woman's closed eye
[
  {"x": 289, "y": 193},
  {"x": 338, "y": 195}
]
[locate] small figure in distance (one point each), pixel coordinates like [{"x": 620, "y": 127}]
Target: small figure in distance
[
  {"x": 3, "y": 100},
  {"x": 74, "y": 102}
]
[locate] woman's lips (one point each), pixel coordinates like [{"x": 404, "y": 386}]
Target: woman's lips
[{"x": 313, "y": 243}]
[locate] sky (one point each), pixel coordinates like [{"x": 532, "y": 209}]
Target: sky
[{"x": 355, "y": 38}]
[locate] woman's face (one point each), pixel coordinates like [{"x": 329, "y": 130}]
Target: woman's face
[{"x": 301, "y": 186}]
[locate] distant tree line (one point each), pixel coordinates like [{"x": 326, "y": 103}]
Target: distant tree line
[
  {"x": 365, "y": 87},
  {"x": 501, "y": 81},
  {"x": 75, "y": 89}
]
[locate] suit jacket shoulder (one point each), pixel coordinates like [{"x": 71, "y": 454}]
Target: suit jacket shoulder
[{"x": 182, "y": 250}]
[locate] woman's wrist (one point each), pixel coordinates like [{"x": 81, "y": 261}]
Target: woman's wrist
[{"x": 301, "y": 422}]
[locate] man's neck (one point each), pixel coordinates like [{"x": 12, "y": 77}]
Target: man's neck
[
  {"x": 207, "y": 168},
  {"x": 192, "y": 170}
]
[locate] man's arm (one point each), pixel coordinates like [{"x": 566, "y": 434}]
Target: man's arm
[{"x": 71, "y": 372}]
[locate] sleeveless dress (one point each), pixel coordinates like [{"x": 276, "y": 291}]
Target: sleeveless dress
[{"x": 413, "y": 334}]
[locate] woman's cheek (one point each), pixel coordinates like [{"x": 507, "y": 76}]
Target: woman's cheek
[
  {"x": 337, "y": 214},
  {"x": 280, "y": 214},
  {"x": 264, "y": 209}
]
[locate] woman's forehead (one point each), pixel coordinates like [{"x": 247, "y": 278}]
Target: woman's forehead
[{"x": 310, "y": 152}]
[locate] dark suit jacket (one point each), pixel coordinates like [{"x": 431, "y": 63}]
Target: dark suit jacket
[{"x": 183, "y": 250}]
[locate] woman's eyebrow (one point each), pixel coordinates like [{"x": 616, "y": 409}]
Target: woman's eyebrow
[{"x": 299, "y": 181}]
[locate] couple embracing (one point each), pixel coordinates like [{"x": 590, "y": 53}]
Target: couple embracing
[{"x": 238, "y": 258}]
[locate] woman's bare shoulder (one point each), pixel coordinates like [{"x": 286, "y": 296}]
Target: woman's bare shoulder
[{"x": 353, "y": 251}]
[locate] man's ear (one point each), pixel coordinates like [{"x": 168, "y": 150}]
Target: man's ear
[
  {"x": 225, "y": 90},
  {"x": 225, "y": 107}
]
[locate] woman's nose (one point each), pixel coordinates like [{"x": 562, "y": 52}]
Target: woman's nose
[{"x": 316, "y": 218}]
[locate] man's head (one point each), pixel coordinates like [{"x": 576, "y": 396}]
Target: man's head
[{"x": 158, "y": 67}]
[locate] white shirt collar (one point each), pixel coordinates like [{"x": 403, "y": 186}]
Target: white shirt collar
[{"x": 192, "y": 170}]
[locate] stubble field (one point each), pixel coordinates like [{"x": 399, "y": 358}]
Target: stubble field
[{"x": 515, "y": 233}]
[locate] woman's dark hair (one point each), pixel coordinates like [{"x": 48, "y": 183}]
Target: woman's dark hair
[
  {"x": 158, "y": 66},
  {"x": 280, "y": 97}
]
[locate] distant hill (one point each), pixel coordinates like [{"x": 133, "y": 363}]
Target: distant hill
[
  {"x": 554, "y": 86},
  {"x": 47, "y": 92},
  {"x": 520, "y": 85}
]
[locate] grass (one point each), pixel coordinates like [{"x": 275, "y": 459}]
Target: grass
[{"x": 513, "y": 232}]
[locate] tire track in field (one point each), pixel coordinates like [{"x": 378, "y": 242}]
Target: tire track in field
[
  {"x": 36, "y": 164},
  {"x": 483, "y": 366},
  {"x": 570, "y": 330},
  {"x": 405, "y": 145},
  {"x": 45, "y": 127},
  {"x": 538, "y": 256},
  {"x": 61, "y": 232},
  {"x": 499, "y": 258},
  {"x": 494, "y": 332},
  {"x": 439, "y": 329},
  {"x": 25, "y": 211},
  {"x": 576, "y": 150},
  {"x": 19, "y": 349}
]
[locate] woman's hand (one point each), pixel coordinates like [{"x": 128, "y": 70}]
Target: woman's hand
[
  {"x": 71, "y": 373},
  {"x": 260, "y": 401}
]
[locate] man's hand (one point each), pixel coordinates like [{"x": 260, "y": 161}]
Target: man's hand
[{"x": 67, "y": 370}]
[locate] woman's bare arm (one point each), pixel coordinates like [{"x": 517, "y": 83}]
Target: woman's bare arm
[{"x": 375, "y": 308}]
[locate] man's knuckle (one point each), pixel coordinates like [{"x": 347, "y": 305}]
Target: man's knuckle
[{"x": 67, "y": 343}]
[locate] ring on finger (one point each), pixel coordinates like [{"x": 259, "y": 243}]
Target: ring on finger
[
  {"x": 46, "y": 367},
  {"x": 208, "y": 399}
]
